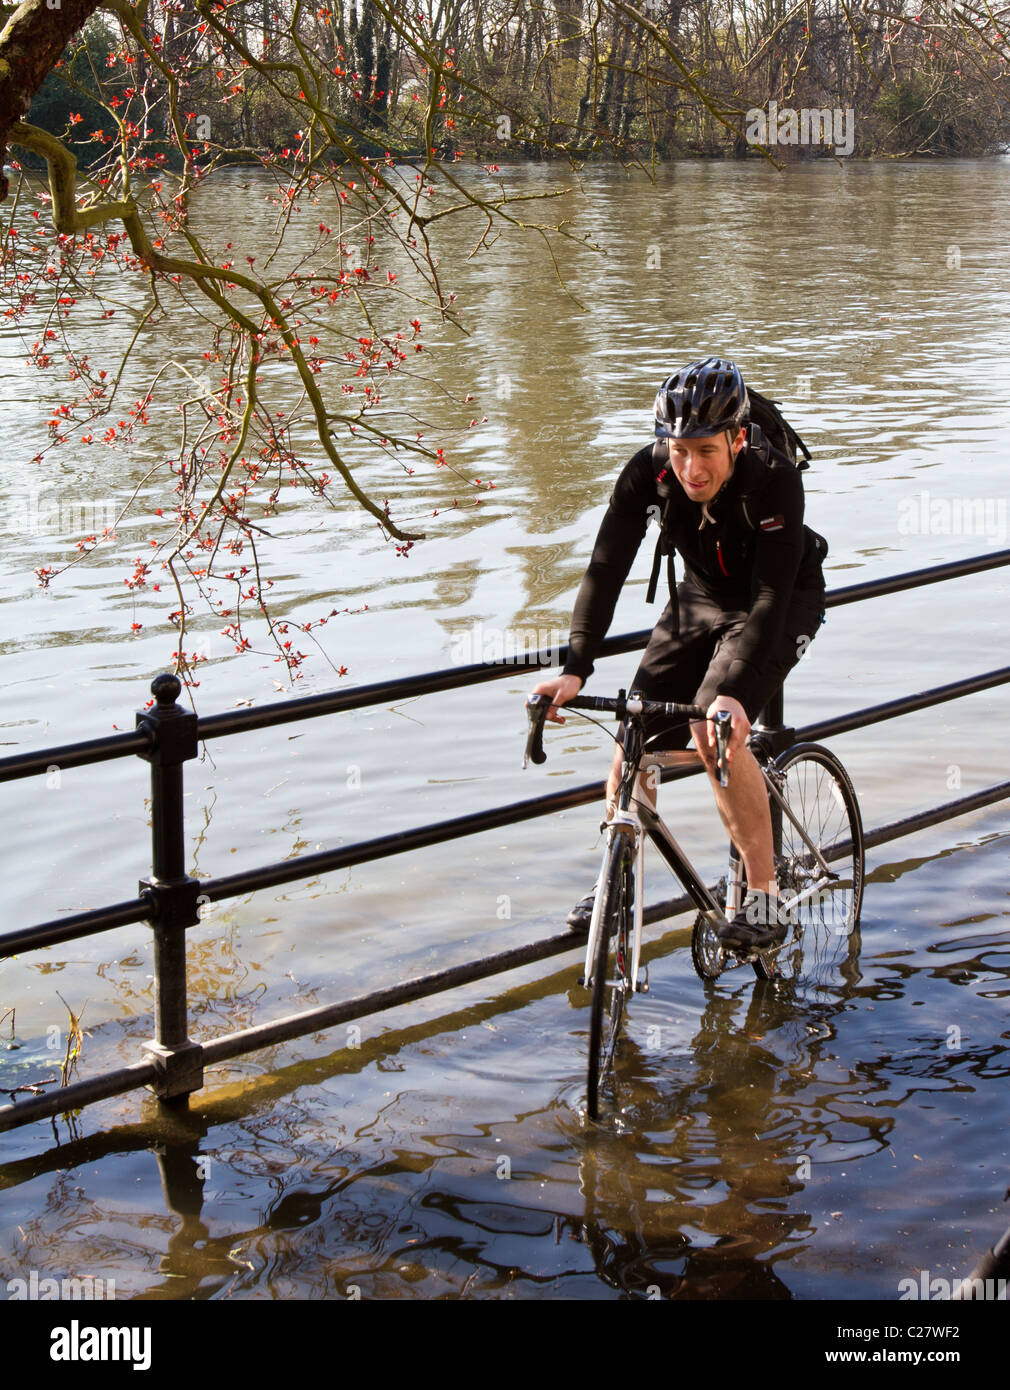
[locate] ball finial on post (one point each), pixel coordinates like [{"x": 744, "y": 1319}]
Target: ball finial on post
[{"x": 166, "y": 688}]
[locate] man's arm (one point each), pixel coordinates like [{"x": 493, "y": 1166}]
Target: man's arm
[{"x": 617, "y": 543}]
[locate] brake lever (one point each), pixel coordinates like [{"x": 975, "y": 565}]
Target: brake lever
[
  {"x": 723, "y": 721},
  {"x": 536, "y": 709}
]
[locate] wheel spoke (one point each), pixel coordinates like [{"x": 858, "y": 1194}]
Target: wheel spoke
[{"x": 817, "y": 790}]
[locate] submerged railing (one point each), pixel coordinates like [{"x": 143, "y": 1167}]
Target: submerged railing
[{"x": 167, "y": 736}]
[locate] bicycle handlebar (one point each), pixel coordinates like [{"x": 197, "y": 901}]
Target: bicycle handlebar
[{"x": 624, "y": 707}]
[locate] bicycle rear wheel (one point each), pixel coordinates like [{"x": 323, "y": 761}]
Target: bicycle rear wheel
[
  {"x": 611, "y": 969},
  {"x": 822, "y": 811}
]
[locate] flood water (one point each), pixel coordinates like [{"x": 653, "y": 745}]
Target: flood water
[{"x": 820, "y": 1141}]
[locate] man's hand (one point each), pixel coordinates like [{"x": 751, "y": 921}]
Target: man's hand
[
  {"x": 740, "y": 723},
  {"x": 561, "y": 689}
]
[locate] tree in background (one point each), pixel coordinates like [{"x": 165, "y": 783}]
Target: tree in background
[
  {"x": 130, "y": 133},
  {"x": 354, "y": 114}
]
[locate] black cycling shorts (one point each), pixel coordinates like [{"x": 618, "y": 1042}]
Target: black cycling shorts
[{"x": 687, "y": 663}]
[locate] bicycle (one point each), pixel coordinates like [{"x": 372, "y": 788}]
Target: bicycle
[{"x": 815, "y": 823}]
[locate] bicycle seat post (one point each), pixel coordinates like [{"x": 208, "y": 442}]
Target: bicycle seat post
[{"x": 769, "y": 731}]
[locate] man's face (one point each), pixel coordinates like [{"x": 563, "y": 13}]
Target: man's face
[{"x": 702, "y": 465}]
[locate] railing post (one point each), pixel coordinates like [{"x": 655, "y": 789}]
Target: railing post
[{"x": 170, "y": 891}]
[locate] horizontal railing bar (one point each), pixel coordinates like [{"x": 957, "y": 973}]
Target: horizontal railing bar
[
  {"x": 913, "y": 579},
  {"x": 62, "y": 929},
  {"x": 298, "y": 1025},
  {"x": 96, "y": 750},
  {"x": 379, "y": 692},
  {"x": 399, "y": 842},
  {"x": 453, "y": 677},
  {"x": 327, "y": 1015},
  {"x": 307, "y": 866},
  {"x": 313, "y": 1020},
  {"x": 669, "y": 907},
  {"x": 906, "y": 704},
  {"x": 279, "y": 712},
  {"x": 282, "y": 712},
  {"x": 922, "y": 820},
  {"x": 72, "y": 1097}
]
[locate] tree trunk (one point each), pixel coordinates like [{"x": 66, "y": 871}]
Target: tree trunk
[
  {"x": 570, "y": 28},
  {"x": 31, "y": 42}
]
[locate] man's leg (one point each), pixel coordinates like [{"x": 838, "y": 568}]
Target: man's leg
[
  {"x": 743, "y": 806},
  {"x": 673, "y": 665}
]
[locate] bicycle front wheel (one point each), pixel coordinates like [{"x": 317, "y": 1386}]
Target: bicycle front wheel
[
  {"x": 819, "y": 859},
  {"x": 611, "y": 968}
]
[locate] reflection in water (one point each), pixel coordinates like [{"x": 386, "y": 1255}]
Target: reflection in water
[{"x": 726, "y": 1143}]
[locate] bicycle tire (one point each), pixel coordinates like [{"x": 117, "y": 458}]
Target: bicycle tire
[
  {"x": 611, "y": 970},
  {"x": 820, "y": 794}
]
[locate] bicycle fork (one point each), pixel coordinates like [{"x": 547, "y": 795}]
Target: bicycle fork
[
  {"x": 622, "y": 823},
  {"x": 639, "y": 986}
]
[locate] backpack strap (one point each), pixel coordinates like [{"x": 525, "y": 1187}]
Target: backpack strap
[
  {"x": 664, "y": 545},
  {"x": 763, "y": 456},
  {"x": 761, "y": 447},
  {"x": 754, "y": 461},
  {"x": 650, "y": 596},
  {"x": 671, "y": 572}
]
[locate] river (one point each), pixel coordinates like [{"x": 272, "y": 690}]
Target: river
[{"x": 768, "y": 1143}]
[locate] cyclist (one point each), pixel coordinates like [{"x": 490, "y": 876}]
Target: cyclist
[{"x": 751, "y": 600}]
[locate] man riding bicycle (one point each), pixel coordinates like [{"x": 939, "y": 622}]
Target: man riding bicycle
[{"x": 750, "y": 602}]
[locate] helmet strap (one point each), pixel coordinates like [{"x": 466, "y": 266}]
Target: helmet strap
[{"x": 730, "y": 436}]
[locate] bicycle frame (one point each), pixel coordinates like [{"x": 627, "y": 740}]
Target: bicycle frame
[
  {"x": 634, "y": 822},
  {"x": 633, "y": 819}
]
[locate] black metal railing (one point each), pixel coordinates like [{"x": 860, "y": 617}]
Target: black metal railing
[{"x": 167, "y": 736}]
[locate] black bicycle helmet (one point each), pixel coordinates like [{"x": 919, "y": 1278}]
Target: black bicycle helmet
[{"x": 701, "y": 399}]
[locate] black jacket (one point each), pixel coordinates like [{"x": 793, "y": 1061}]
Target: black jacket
[{"x": 752, "y": 566}]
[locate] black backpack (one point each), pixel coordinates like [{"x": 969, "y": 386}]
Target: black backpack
[{"x": 772, "y": 439}]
